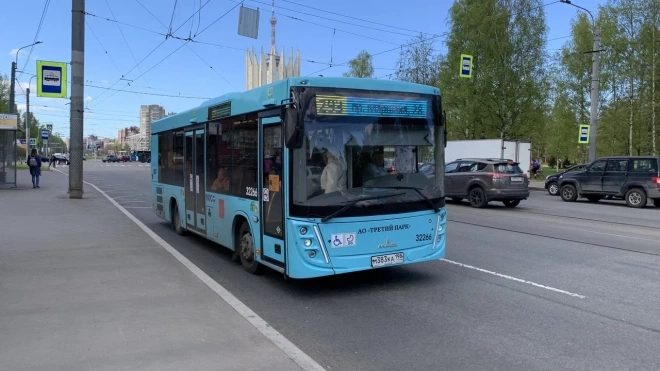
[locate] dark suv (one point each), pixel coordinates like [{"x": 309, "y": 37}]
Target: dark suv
[
  {"x": 635, "y": 178},
  {"x": 552, "y": 180},
  {"x": 482, "y": 180}
]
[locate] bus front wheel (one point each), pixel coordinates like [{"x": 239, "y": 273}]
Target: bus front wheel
[
  {"x": 245, "y": 249},
  {"x": 176, "y": 221}
]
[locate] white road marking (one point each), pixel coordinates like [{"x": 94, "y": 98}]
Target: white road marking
[
  {"x": 515, "y": 279},
  {"x": 128, "y": 195},
  {"x": 137, "y": 207},
  {"x": 290, "y": 349}
]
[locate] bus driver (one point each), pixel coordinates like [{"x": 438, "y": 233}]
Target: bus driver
[{"x": 333, "y": 173}]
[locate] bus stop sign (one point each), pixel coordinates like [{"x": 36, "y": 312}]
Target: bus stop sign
[{"x": 584, "y": 134}]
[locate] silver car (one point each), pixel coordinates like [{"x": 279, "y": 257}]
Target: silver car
[{"x": 482, "y": 180}]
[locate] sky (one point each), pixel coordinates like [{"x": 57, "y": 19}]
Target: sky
[{"x": 123, "y": 34}]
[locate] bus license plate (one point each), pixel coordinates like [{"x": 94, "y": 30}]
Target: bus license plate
[
  {"x": 516, "y": 179},
  {"x": 389, "y": 259}
]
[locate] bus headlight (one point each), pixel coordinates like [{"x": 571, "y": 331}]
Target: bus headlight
[
  {"x": 307, "y": 242},
  {"x": 303, "y": 230},
  {"x": 312, "y": 254}
]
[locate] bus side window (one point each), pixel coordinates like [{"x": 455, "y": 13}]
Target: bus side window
[
  {"x": 219, "y": 157},
  {"x": 244, "y": 156}
]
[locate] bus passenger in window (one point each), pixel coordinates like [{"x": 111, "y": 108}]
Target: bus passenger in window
[
  {"x": 221, "y": 183},
  {"x": 332, "y": 177},
  {"x": 276, "y": 166},
  {"x": 376, "y": 167}
]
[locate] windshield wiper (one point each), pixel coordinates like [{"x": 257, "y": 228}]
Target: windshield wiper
[
  {"x": 426, "y": 199},
  {"x": 355, "y": 202}
]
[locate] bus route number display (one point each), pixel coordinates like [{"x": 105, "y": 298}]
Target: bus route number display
[{"x": 330, "y": 105}]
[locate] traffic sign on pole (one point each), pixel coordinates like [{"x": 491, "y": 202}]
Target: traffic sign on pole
[
  {"x": 51, "y": 79},
  {"x": 49, "y": 127},
  {"x": 33, "y": 141},
  {"x": 45, "y": 134},
  {"x": 466, "y": 66},
  {"x": 584, "y": 134}
]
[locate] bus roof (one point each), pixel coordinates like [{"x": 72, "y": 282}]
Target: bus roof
[{"x": 274, "y": 94}]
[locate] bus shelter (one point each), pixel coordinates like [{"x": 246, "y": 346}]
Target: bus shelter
[{"x": 8, "y": 132}]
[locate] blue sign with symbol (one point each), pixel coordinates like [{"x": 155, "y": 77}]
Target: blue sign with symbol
[
  {"x": 343, "y": 239},
  {"x": 33, "y": 142},
  {"x": 45, "y": 134},
  {"x": 51, "y": 79}
]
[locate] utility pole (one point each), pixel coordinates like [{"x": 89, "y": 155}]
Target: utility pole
[
  {"x": 595, "y": 96},
  {"x": 76, "y": 113},
  {"x": 12, "y": 87},
  {"x": 595, "y": 83},
  {"x": 27, "y": 123},
  {"x": 27, "y": 119}
]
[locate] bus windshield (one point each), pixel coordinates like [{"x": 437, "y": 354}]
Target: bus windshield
[{"x": 365, "y": 145}]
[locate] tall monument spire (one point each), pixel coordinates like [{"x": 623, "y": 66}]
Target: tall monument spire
[
  {"x": 271, "y": 66},
  {"x": 273, "y": 22}
]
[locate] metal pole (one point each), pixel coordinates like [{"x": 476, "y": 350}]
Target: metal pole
[
  {"x": 27, "y": 123},
  {"x": 595, "y": 96},
  {"x": 12, "y": 87},
  {"x": 77, "y": 98}
]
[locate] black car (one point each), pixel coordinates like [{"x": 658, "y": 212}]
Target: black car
[
  {"x": 552, "y": 181},
  {"x": 634, "y": 178}
]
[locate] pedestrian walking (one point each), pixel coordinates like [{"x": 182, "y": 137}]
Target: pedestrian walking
[
  {"x": 34, "y": 162},
  {"x": 51, "y": 161}
]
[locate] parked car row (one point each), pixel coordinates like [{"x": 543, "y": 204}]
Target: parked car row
[
  {"x": 115, "y": 158},
  {"x": 635, "y": 179},
  {"x": 59, "y": 159}
]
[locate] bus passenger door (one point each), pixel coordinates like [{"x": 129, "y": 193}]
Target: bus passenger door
[
  {"x": 273, "y": 251},
  {"x": 195, "y": 181}
]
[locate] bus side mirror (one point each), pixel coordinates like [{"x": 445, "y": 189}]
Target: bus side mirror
[{"x": 293, "y": 132}]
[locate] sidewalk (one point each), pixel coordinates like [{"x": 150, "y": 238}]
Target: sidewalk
[
  {"x": 536, "y": 185},
  {"x": 82, "y": 287}
]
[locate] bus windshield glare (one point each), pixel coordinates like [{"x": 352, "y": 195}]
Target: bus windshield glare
[{"x": 365, "y": 145}]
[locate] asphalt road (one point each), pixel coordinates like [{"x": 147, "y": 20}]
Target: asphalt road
[{"x": 547, "y": 285}]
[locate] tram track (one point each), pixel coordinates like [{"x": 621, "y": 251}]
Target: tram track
[
  {"x": 557, "y": 238},
  {"x": 589, "y": 220},
  {"x": 527, "y": 210}
]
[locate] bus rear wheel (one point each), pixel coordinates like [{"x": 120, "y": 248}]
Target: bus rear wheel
[{"x": 245, "y": 249}]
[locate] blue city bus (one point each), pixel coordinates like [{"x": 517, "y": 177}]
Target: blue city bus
[{"x": 292, "y": 175}]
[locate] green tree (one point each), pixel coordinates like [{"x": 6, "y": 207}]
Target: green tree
[
  {"x": 507, "y": 96},
  {"x": 361, "y": 66},
  {"x": 418, "y": 62},
  {"x": 4, "y": 94},
  {"x": 628, "y": 102},
  {"x": 570, "y": 89}
]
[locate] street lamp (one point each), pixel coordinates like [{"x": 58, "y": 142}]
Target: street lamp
[
  {"x": 595, "y": 83},
  {"x": 12, "y": 87},
  {"x": 27, "y": 118}
]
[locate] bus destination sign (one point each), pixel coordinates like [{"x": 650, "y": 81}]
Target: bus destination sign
[
  {"x": 352, "y": 106},
  {"x": 219, "y": 111}
]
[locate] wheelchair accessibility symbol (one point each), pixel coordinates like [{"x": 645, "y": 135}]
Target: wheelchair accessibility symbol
[{"x": 343, "y": 239}]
